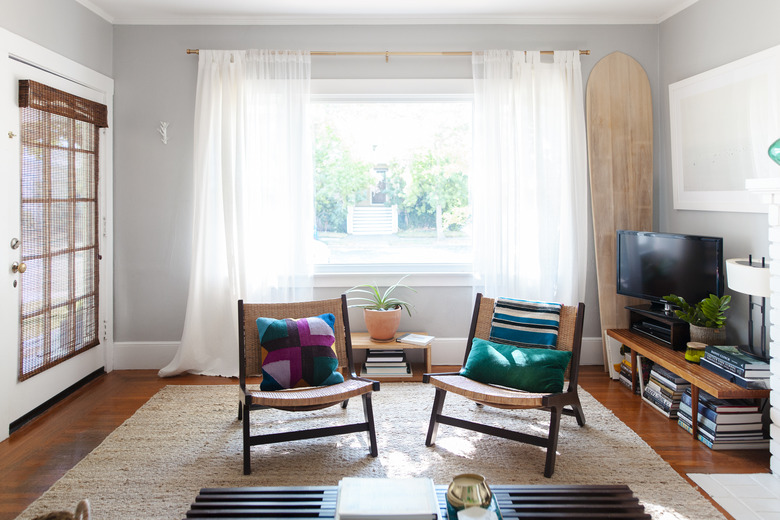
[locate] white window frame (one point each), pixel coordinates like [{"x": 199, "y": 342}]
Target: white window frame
[{"x": 392, "y": 91}]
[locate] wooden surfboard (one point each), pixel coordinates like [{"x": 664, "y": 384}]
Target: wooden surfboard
[{"x": 620, "y": 155}]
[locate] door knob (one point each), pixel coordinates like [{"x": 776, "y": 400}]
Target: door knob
[{"x": 18, "y": 268}]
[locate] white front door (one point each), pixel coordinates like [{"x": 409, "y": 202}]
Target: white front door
[{"x": 20, "y": 59}]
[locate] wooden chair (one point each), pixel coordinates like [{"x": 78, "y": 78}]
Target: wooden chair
[
  {"x": 566, "y": 402},
  {"x": 303, "y": 399}
]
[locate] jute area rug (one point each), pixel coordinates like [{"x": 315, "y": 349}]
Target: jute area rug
[{"x": 188, "y": 437}]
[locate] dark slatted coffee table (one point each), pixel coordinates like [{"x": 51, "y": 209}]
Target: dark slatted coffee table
[{"x": 538, "y": 501}]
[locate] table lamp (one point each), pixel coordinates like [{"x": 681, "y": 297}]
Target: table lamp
[{"x": 751, "y": 278}]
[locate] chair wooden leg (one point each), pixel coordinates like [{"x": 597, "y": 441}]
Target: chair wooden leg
[
  {"x": 578, "y": 413},
  {"x": 552, "y": 441},
  {"x": 240, "y": 409},
  {"x": 433, "y": 427},
  {"x": 368, "y": 412},
  {"x": 247, "y": 447}
]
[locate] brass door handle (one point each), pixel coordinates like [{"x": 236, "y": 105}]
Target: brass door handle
[{"x": 18, "y": 267}]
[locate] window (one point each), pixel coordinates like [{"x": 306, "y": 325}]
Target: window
[
  {"x": 59, "y": 206},
  {"x": 391, "y": 180}
]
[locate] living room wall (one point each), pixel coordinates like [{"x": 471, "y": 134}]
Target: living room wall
[
  {"x": 155, "y": 81},
  {"x": 67, "y": 28},
  {"x": 707, "y": 35}
]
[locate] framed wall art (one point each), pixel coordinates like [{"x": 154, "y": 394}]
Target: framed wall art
[{"x": 722, "y": 124}]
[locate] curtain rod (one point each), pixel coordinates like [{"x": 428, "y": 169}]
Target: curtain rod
[{"x": 387, "y": 54}]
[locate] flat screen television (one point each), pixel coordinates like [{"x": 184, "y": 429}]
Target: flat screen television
[{"x": 653, "y": 265}]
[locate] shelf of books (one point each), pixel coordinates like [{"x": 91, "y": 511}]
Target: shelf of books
[
  {"x": 725, "y": 424},
  {"x": 736, "y": 421},
  {"x": 392, "y": 361},
  {"x": 662, "y": 389},
  {"x": 736, "y": 366}
]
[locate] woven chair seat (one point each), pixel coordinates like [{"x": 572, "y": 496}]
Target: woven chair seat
[
  {"x": 310, "y": 396},
  {"x": 255, "y": 401},
  {"x": 557, "y": 404},
  {"x": 490, "y": 395}
]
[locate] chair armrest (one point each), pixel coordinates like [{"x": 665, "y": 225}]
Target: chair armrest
[
  {"x": 561, "y": 399},
  {"x": 374, "y": 384},
  {"x": 427, "y": 377}
]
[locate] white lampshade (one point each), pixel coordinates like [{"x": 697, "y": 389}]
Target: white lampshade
[{"x": 747, "y": 279}]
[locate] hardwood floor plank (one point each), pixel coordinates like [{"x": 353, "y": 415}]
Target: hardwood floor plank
[{"x": 43, "y": 450}]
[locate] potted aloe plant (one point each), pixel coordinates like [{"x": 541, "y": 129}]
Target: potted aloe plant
[
  {"x": 707, "y": 318},
  {"x": 381, "y": 310}
]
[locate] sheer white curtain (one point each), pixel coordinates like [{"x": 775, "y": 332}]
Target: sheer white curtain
[
  {"x": 529, "y": 185},
  {"x": 254, "y": 204}
]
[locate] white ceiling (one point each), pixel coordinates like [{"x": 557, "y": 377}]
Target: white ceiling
[{"x": 246, "y": 12}]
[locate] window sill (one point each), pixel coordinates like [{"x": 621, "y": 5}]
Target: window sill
[{"x": 438, "y": 276}]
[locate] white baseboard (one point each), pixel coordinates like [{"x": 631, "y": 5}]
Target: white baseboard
[{"x": 146, "y": 355}]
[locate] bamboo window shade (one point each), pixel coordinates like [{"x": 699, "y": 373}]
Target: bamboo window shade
[{"x": 60, "y": 220}]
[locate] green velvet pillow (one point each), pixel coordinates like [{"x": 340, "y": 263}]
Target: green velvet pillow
[{"x": 530, "y": 369}]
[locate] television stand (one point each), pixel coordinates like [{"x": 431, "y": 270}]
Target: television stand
[{"x": 659, "y": 325}]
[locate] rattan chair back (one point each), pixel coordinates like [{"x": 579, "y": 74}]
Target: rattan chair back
[{"x": 297, "y": 310}]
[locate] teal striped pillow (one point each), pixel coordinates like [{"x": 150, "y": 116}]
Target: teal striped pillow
[{"x": 525, "y": 323}]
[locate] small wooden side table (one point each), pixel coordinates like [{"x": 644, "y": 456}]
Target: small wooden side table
[{"x": 362, "y": 341}]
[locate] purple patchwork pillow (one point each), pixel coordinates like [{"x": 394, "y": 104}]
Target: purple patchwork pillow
[{"x": 298, "y": 353}]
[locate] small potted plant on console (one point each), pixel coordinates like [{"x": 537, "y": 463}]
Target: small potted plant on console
[
  {"x": 381, "y": 310},
  {"x": 707, "y": 318}
]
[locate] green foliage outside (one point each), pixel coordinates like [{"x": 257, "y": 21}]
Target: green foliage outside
[
  {"x": 417, "y": 184},
  {"x": 340, "y": 181}
]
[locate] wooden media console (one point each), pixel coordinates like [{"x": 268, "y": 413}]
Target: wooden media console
[{"x": 698, "y": 377}]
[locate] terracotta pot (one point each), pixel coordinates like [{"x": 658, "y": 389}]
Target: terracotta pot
[
  {"x": 382, "y": 325},
  {"x": 708, "y": 335}
]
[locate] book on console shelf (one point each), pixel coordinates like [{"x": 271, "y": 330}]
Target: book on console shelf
[
  {"x": 749, "y": 444},
  {"x": 663, "y": 392},
  {"x": 670, "y": 376},
  {"x": 718, "y": 356},
  {"x": 684, "y": 414},
  {"x": 668, "y": 389},
  {"x": 749, "y": 436},
  {"x": 752, "y": 436},
  {"x": 736, "y": 356},
  {"x": 660, "y": 403},
  {"x": 722, "y": 411},
  {"x": 625, "y": 373},
  {"x": 745, "y": 382},
  {"x": 415, "y": 339}
]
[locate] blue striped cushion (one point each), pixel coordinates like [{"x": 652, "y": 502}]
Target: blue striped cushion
[{"x": 525, "y": 323}]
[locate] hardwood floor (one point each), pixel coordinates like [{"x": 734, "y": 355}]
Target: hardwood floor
[{"x": 40, "y": 452}]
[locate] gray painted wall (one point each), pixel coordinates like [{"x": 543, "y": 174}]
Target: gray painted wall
[
  {"x": 709, "y": 34},
  {"x": 155, "y": 80},
  {"x": 67, "y": 28}
]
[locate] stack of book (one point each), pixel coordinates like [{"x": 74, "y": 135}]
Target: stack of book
[
  {"x": 386, "y": 363},
  {"x": 664, "y": 390},
  {"x": 739, "y": 367},
  {"x": 624, "y": 375},
  {"x": 733, "y": 424},
  {"x": 625, "y": 371}
]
